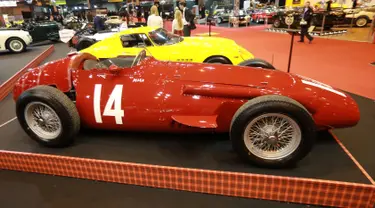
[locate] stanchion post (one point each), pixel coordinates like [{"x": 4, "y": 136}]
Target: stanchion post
[
  {"x": 323, "y": 23},
  {"x": 351, "y": 22},
  {"x": 291, "y": 50},
  {"x": 371, "y": 32},
  {"x": 209, "y": 29},
  {"x": 209, "y": 21}
]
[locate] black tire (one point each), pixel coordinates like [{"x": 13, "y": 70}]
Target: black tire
[
  {"x": 61, "y": 105},
  {"x": 55, "y": 40},
  {"x": 358, "y": 22},
  {"x": 273, "y": 104},
  {"x": 84, "y": 43},
  {"x": 328, "y": 27},
  {"x": 276, "y": 23},
  {"x": 11, "y": 49},
  {"x": 217, "y": 60},
  {"x": 258, "y": 63},
  {"x": 219, "y": 20}
]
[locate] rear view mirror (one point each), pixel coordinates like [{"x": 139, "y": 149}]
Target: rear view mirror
[{"x": 113, "y": 68}]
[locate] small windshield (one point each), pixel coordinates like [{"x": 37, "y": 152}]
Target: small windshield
[{"x": 163, "y": 37}]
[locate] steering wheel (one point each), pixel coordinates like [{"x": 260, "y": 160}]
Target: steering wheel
[{"x": 141, "y": 55}]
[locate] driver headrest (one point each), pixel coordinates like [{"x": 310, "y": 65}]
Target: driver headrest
[{"x": 79, "y": 59}]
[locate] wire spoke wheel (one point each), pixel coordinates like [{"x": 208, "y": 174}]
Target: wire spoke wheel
[
  {"x": 272, "y": 136},
  {"x": 43, "y": 120}
]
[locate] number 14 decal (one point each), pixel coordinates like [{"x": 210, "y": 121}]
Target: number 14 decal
[{"x": 114, "y": 100}]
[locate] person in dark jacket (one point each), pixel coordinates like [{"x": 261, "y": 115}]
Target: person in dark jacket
[
  {"x": 306, "y": 22},
  {"x": 329, "y": 7},
  {"x": 138, "y": 10},
  {"x": 355, "y": 3},
  {"x": 187, "y": 19},
  {"x": 89, "y": 17},
  {"x": 99, "y": 23}
]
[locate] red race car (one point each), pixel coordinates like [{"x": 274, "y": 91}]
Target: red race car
[
  {"x": 271, "y": 116},
  {"x": 262, "y": 15}
]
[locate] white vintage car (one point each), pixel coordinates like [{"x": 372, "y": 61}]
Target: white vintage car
[
  {"x": 116, "y": 20},
  {"x": 14, "y": 40},
  {"x": 362, "y": 16}
]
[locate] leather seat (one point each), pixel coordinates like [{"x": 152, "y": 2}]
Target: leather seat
[
  {"x": 120, "y": 62},
  {"x": 125, "y": 62},
  {"x": 93, "y": 64}
]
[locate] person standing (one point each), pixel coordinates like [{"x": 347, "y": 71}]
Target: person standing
[
  {"x": 177, "y": 24},
  {"x": 355, "y": 3},
  {"x": 89, "y": 17},
  {"x": 306, "y": 22},
  {"x": 98, "y": 23},
  {"x": 329, "y": 7},
  {"x": 154, "y": 20},
  {"x": 187, "y": 19},
  {"x": 138, "y": 10},
  {"x": 124, "y": 24}
]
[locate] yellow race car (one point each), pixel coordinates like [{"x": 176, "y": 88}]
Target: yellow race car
[{"x": 166, "y": 46}]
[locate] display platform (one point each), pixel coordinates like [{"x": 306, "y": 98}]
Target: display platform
[
  {"x": 195, "y": 162},
  {"x": 8, "y": 59},
  {"x": 316, "y": 32},
  {"x": 43, "y": 191}
]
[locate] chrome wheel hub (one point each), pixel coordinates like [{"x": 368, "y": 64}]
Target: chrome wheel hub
[
  {"x": 361, "y": 22},
  {"x": 272, "y": 136},
  {"x": 16, "y": 45},
  {"x": 43, "y": 120}
]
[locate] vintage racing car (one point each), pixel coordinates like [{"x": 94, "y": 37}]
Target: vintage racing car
[
  {"x": 283, "y": 18},
  {"x": 271, "y": 116},
  {"x": 14, "y": 40},
  {"x": 166, "y": 46},
  {"x": 42, "y": 30},
  {"x": 241, "y": 19},
  {"x": 262, "y": 15},
  {"x": 361, "y": 16},
  {"x": 87, "y": 35},
  {"x": 117, "y": 20},
  {"x": 222, "y": 16}
]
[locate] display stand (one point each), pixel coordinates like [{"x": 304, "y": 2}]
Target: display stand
[
  {"x": 209, "y": 22},
  {"x": 323, "y": 23},
  {"x": 292, "y": 32}
]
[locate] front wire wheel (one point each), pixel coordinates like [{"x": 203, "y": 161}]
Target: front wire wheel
[
  {"x": 43, "y": 120},
  {"x": 272, "y": 131},
  {"x": 48, "y": 116},
  {"x": 272, "y": 136}
]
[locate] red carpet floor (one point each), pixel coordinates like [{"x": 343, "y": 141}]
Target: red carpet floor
[{"x": 342, "y": 64}]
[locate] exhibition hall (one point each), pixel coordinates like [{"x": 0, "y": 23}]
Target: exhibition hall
[{"x": 187, "y": 103}]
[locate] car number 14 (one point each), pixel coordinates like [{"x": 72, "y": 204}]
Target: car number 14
[{"x": 114, "y": 100}]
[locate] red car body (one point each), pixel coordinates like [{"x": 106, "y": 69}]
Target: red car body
[
  {"x": 261, "y": 16},
  {"x": 174, "y": 97}
]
